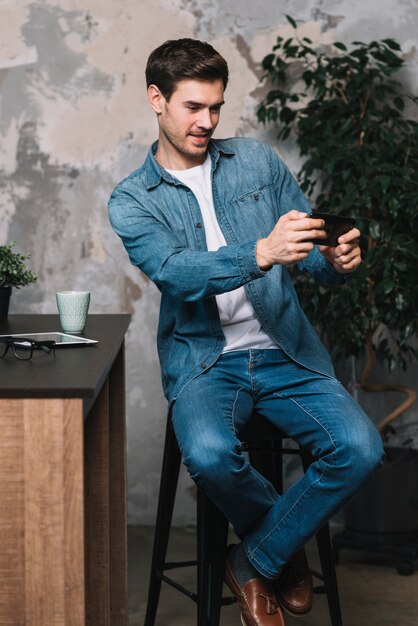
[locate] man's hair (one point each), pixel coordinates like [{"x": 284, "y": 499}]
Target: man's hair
[{"x": 182, "y": 59}]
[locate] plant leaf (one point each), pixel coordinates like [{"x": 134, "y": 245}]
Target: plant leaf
[{"x": 291, "y": 21}]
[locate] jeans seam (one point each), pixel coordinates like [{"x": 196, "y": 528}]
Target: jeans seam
[
  {"x": 253, "y": 472},
  {"x": 251, "y": 554},
  {"x": 331, "y": 438},
  {"x": 233, "y": 409},
  {"x": 260, "y": 482}
]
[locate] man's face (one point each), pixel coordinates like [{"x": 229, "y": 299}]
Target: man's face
[{"x": 186, "y": 121}]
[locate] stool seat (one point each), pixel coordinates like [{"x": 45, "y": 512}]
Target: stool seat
[{"x": 264, "y": 444}]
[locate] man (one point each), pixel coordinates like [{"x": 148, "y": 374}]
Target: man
[{"x": 215, "y": 224}]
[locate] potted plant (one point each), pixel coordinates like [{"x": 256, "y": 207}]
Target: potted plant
[
  {"x": 360, "y": 158},
  {"x": 357, "y": 134},
  {"x": 13, "y": 273}
]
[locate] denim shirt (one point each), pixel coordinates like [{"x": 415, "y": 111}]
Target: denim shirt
[{"x": 159, "y": 221}]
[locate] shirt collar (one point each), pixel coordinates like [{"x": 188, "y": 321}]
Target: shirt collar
[{"x": 155, "y": 173}]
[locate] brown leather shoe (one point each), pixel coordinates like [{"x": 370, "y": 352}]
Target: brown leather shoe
[
  {"x": 294, "y": 589},
  {"x": 256, "y": 601}
]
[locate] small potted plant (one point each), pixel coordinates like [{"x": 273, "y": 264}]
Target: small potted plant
[{"x": 13, "y": 273}]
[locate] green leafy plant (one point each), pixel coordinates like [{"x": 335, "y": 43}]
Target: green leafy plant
[
  {"x": 358, "y": 139},
  {"x": 13, "y": 271}
]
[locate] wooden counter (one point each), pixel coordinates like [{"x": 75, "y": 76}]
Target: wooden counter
[{"x": 63, "y": 479}]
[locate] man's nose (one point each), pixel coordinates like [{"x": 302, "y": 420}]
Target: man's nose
[{"x": 205, "y": 119}]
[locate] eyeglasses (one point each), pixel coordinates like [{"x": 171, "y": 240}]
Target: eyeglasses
[{"x": 23, "y": 348}]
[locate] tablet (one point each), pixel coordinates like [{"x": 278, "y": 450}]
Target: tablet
[{"x": 61, "y": 339}]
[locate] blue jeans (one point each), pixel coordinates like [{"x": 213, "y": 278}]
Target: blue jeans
[{"x": 313, "y": 409}]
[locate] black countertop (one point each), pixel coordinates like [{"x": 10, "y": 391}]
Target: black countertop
[{"x": 73, "y": 372}]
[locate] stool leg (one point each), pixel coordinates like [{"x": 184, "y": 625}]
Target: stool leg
[
  {"x": 168, "y": 486},
  {"x": 326, "y": 555},
  {"x": 212, "y": 537},
  {"x": 269, "y": 464}
]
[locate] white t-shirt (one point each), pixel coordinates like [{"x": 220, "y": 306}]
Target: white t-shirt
[{"x": 240, "y": 325}]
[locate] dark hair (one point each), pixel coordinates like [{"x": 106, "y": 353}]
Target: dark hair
[{"x": 181, "y": 59}]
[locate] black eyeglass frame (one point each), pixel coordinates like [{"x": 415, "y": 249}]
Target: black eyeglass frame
[{"x": 25, "y": 344}]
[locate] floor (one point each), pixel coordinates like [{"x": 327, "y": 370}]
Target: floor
[{"x": 372, "y": 593}]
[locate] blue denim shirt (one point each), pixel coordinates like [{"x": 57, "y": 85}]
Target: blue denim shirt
[{"x": 159, "y": 221}]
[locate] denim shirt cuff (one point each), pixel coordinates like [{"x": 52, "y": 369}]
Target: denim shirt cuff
[
  {"x": 248, "y": 262},
  {"x": 344, "y": 278}
]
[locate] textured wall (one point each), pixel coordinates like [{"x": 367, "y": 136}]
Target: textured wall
[{"x": 74, "y": 121}]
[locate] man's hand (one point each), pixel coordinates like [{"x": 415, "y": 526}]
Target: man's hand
[
  {"x": 345, "y": 257},
  {"x": 290, "y": 240}
]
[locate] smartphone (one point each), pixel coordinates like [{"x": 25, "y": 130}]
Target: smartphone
[{"x": 335, "y": 226}]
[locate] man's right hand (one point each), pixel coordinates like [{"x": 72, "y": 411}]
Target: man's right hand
[{"x": 290, "y": 240}]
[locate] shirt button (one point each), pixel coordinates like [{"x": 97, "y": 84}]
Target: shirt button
[
  {"x": 256, "y": 197},
  {"x": 198, "y": 225},
  {"x": 203, "y": 365}
]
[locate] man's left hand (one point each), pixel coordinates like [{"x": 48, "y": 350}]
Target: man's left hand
[{"x": 345, "y": 257}]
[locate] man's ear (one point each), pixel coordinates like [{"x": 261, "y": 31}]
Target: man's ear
[{"x": 156, "y": 98}]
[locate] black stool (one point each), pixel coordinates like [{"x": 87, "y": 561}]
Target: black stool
[{"x": 264, "y": 444}]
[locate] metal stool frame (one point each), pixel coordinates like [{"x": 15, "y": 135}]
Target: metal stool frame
[{"x": 264, "y": 444}]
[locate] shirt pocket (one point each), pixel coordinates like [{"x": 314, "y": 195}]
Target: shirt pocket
[{"x": 256, "y": 210}]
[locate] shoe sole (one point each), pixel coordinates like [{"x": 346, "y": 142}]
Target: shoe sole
[{"x": 291, "y": 613}]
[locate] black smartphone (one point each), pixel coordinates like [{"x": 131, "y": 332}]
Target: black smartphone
[{"x": 335, "y": 226}]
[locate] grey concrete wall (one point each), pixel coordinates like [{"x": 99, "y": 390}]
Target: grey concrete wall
[{"x": 74, "y": 121}]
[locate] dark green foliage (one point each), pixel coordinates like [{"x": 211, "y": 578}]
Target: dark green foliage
[
  {"x": 13, "y": 271},
  {"x": 360, "y": 158}
]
